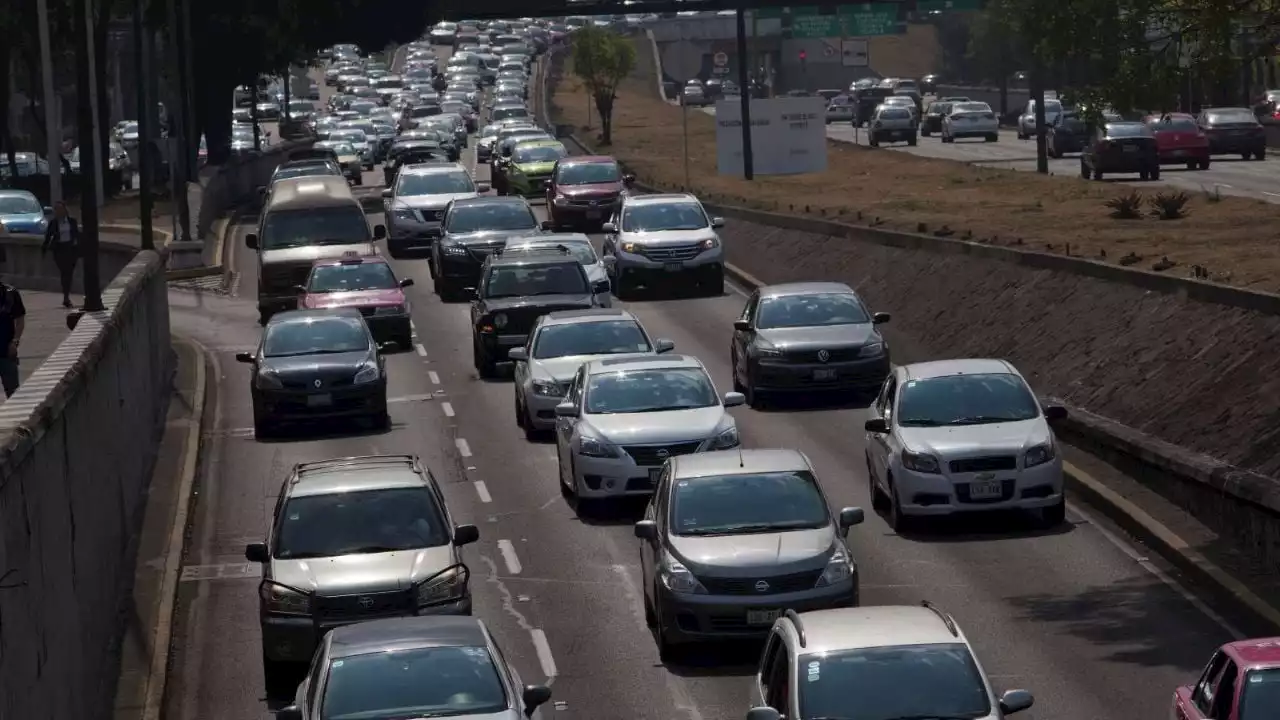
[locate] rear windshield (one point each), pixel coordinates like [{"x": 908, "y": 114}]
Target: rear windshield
[
  {"x": 971, "y": 108},
  {"x": 590, "y": 338},
  {"x": 1222, "y": 117},
  {"x": 1128, "y": 130},
  {"x": 351, "y": 278},
  {"x": 895, "y": 114},
  {"x": 1175, "y": 124}
]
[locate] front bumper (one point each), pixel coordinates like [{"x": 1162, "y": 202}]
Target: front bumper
[
  {"x": 944, "y": 494},
  {"x": 289, "y": 405},
  {"x": 287, "y": 638},
  {"x": 498, "y": 345},
  {"x": 778, "y": 376},
  {"x": 635, "y": 265},
  {"x": 583, "y": 212},
  {"x": 689, "y": 617},
  {"x": 595, "y": 477}
]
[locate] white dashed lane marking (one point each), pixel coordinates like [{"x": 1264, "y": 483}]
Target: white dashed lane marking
[
  {"x": 464, "y": 449},
  {"x": 483, "y": 491},
  {"x": 448, "y": 409},
  {"x": 509, "y": 557},
  {"x": 545, "y": 658},
  {"x": 420, "y": 349},
  {"x": 435, "y": 379}
]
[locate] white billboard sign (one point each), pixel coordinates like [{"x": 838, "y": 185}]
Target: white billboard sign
[{"x": 788, "y": 136}]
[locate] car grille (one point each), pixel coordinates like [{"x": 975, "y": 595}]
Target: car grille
[
  {"x": 337, "y": 378},
  {"x": 355, "y": 606},
  {"x": 671, "y": 253},
  {"x": 595, "y": 201},
  {"x": 794, "y": 582},
  {"x": 649, "y": 455},
  {"x": 984, "y": 464},
  {"x": 833, "y": 355}
]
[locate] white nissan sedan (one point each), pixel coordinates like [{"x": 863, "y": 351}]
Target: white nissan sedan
[{"x": 956, "y": 436}]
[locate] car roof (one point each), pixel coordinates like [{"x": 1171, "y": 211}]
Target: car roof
[
  {"x": 290, "y": 316},
  {"x": 1256, "y": 653},
  {"x": 433, "y": 168},
  {"x": 584, "y": 159},
  {"x": 647, "y": 362},
  {"x": 551, "y": 239},
  {"x": 373, "y": 472},
  {"x": 18, "y": 193},
  {"x": 967, "y": 366},
  {"x": 804, "y": 288},
  {"x": 569, "y": 317},
  {"x": 659, "y": 198},
  {"x": 405, "y": 633},
  {"x": 538, "y": 256},
  {"x": 739, "y": 462},
  {"x": 491, "y": 200},
  {"x": 874, "y": 626},
  {"x": 310, "y": 192}
]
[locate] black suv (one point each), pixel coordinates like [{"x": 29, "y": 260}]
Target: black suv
[
  {"x": 514, "y": 292},
  {"x": 471, "y": 230}
]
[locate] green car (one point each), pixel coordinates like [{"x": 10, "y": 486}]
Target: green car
[{"x": 530, "y": 166}]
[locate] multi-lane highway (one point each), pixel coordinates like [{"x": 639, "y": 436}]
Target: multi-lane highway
[
  {"x": 1075, "y": 615},
  {"x": 1256, "y": 179}
]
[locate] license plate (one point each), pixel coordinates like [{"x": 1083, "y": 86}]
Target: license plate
[
  {"x": 593, "y": 214},
  {"x": 673, "y": 267},
  {"x": 654, "y": 474},
  {"x": 762, "y": 617},
  {"x": 986, "y": 490},
  {"x": 319, "y": 400},
  {"x": 826, "y": 374},
  {"x": 1179, "y": 153},
  {"x": 1131, "y": 148}
]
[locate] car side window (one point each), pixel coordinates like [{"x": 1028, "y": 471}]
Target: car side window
[
  {"x": 890, "y": 400},
  {"x": 1202, "y": 696},
  {"x": 1224, "y": 694},
  {"x": 768, "y": 659},
  {"x": 780, "y": 683},
  {"x": 661, "y": 496},
  {"x": 749, "y": 310},
  {"x": 313, "y": 678},
  {"x": 575, "y": 390}
]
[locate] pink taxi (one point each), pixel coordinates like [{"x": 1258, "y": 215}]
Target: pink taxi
[{"x": 366, "y": 283}]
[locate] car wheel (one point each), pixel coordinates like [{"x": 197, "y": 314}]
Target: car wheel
[
  {"x": 715, "y": 285},
  {"x": 263, "y": 428},
  {"x": 650, "y": 617},
  {"x": 1144, "y": 175},
  {"x": 733, "y": 365},
  {"x": 668, "y": 652},
  {"x": 1204, "y": 165},
  {"x": 753, "y": 398},
  {"x": 911, "y": 141},
  {"x": 263, "y": 317},
  {"x": 359, "y": 180},
  {"x": 279, "y": 678},
  {"x": 380, "y": 420},
  {"x": 1155, "y": 174},
  {"x": 994, "y": 137},
  {"x": 898, "y": 520},
  {"x": 880, "y": 502},
  {"x": 566, "y": 486},
  {"x": 1260, "y": 155},
  {"x": 484, "y": 364},
  {"x": 431, "y": 266},
  {"x": 1097, "y": 174},
  {"x": 924, "y": 132},
  {"x": 1056, "y": 514},
  {"x": 519, "y": 410},
  {"x": 403, "y": 341}
]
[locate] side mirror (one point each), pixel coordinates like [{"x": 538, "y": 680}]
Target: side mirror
[
  {"x": 300, "y": 289},
  {"x": 717, "y": 222},
  {"x": 256, "y": 553},
  {"x": 743, "y": 325},
  {"x": 567, "y": 410},
  {"x": 1013, "y": 701},
  {"x": 628, "y": 179},
  {"x": 663, "y": 345},
  {"x": 518, "y": 354},
  {"x": 251, "y": 241},
  {"x": 876, "y": 425},
  {"x": 483, "y": 188},
  {"x": 465, "y": 535},
  {"x": 601, "y": 287},
  {"x": 290, "y": 713},
  {"x": 734, "y": 399},
  {"x": 647, "y": 530},
  {"x": 1055, "y": 412},
  {"x": 244, "y": 357},
  {"x": 763, "y": 713},
  {"x": 849, "y": 517},
  {"x": 547, "y": 226},
  {"x": 388, "y": 194},
  {"x": 379, "y": 232},
  {"x": 534, "y": 696},
  {"x": 406, "y": 282},
  {"x": 880, "y": 318},
  {"x": 609, "y": 228}
]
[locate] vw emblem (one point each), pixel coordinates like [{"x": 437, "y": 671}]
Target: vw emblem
[
  {"x": 823, "y": 356},
  {"x": 664, "y": 453},
  {"x": 318, "y": 383},
  {"x": 365, "y": 602},
  {"x": 762, "y": 586}
]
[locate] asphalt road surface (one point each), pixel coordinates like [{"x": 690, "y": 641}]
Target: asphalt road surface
[
  {"x": 1078, "y": 615},
  {"x": 1226, "y": 175}
]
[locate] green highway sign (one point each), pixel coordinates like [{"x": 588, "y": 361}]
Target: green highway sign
[
  {"x": 944, "y": 5},
  {"x": 862, "y": 20}
]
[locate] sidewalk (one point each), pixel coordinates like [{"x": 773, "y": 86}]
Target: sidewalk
[{"x": 46, "y": 329}]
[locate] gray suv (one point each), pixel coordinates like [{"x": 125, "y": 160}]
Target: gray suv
[
  {"x": 733, "y": 538},
  {"x": 355, "y": 539}
]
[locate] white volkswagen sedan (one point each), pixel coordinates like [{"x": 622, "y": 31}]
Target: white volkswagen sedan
[
  {"x": 623, "y": 417},
  {"x": 956, "y": 436},
  {"x": 970, "y": 120}
]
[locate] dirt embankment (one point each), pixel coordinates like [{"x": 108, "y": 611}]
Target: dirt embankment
[{"x": 1205, "y": 377}]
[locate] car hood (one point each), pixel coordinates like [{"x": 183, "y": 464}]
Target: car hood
[
  {"x": 24, "y": 222},
  {"x": 562, "y": 369},
  {"x": 486, "y": 237},
  {"x": 826, "y": 337},
  {"x": 670, "y": 237},
  {"x": 777, "y": 553},
  {"x": 586, "y": 191},
  {"x": 659, "y": 427},
  {"x": 534, "y": 168},
  {"x": 432, "y": 202},
  {"x": 316, "y": 365},
  {"x": 368, "y": 572},
  {"x": 356, "y": 298},
  {"x": 311, "y": 253},
  {"x": 976, "y": 440},
  {"x": 559, "y": 301}
]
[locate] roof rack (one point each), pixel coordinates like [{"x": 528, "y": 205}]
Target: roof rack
[
  {"x": 946, "y": 619},
  {"x": 794, "y": 617},
  {"x": 399, "y": 459}
]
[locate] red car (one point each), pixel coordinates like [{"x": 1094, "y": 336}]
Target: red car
[
  {"x": 1241, "y": 682},
  {"x": 585, "y": 191},
  {"x": 366, "y": 283},
  {"x": 1180, "y": 141}
]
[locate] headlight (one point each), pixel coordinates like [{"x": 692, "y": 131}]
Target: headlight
[
  {"x": 920, "y": 462},
  {"x": 453, "y": 250},
  {"x": 500, "y": 320},
  {"x": 389, "y": 310},
  {"x": 1039, "y": 455},
  {"x": 677, "y": 578},
  {"x": 268, "y": 380},
  {"x": 443, "y": 587},
  {"x": 597, "y": 448},
  {"x": 368, "y": 373},
  {"x": 561, "y": 200},
  {"x": 281, "y": 600},
  {"x": 628, "y": 247},
  {"x": 875, "y": 349},
  {"x": 546, "y": 388},
  {"x": 725, "y": 440},
  {"x": 710, "y": 243},
  {"x": 406, "y": 215},
  {"x": 762, "y": 351},
  {"x": 839, "y": 568}
]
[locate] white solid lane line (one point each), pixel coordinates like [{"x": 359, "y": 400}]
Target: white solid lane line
[
  {"x": 464, "y": 449},
  {"x": 545, "y": 658},
  {"x": 435, "y": 378},
  {"x": 509, "y": 557},
  {"x": 483, "y": 491},
  {"x": 448, "y": 409}
]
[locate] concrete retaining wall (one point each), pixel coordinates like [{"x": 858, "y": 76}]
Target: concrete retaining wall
[
  {"x": 26, "y": 268},
  {"x": 77, "y": 444}
]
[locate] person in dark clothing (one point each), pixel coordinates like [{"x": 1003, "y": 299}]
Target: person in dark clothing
[
  {"x": 13, "y": 320},
  {"x": 63, "y": 239}
]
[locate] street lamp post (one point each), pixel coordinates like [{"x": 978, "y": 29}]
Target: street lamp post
[
  {"x": 52, "y": 108},
  {"x": 89, "y": 159}
]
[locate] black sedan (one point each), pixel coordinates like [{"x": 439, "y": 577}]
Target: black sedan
[{"x": 313, "y": 365}]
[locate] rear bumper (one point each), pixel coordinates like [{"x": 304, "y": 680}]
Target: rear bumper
[{"x": 324, "y": 404}]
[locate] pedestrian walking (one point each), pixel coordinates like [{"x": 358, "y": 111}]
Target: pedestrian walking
[
  {"x": 13, "y": 320},
  {"x": 63, "y": 240}
]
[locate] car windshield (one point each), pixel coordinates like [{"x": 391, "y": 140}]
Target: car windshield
[
  {"x": 352, "y": 278},
  {"x": 445, "y": 183},
  {"x": 792, "y": 311},
  {"x": 643, "y": 391},
  {"x": 19, "y": 205},
  {"x": 315, "y": 335},
  {"x": 971, "y": 107},
  {"x": 425, "y": 111},
  {"x": 350, "y": 136},
  {"x": 746, "y": 503},
  {"x": 506, "y": 281},
  {"x": 491, "y": 216},
  {"x": 422, "y": 682},
  {"x": 367, "y": 521},
  {"x": 1174, "y": 125},
  {"x": 451, "y": 106},
  {"x": 895, "y": 114},
  {"x": 510, "y": 112},
  {"x": 539, "y": 154},
  {"x": 132, "y": 128},
  {"x": 973, "y": 399},
  {"x": 610, "y": 337},
  {"x": 588, "y": 173},
  {"x": 1261, "y": 694},
  {"x": 1231, "y": 117},
  {"x": 657, "y": 217},
  {"x": 885, "y": 682},
  {"x": 314, "y": 226},
  {"x": 1128, "y": 130}
]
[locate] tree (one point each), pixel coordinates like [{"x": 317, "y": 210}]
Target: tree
[{"x": 601, "y": 59}]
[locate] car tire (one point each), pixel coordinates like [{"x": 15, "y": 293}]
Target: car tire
[
  {"x": 948, "y": 139},
  {"x": 403, "y": 341},
  {"x": 898, "y": 520},
  {"x": 263, "y": 428},
  {"x": 1056, "y": 514},
  {"x": 1084, "y": 170},
  {"x": 1155, "y": 175},
  {"x": 669, "y": 653},
  {"x": 650, "y": 617},
  {"x": 380, "y": 421},
  {"x": 278, "y": 678},
  {"x": 567, "y": 490},
  {"x": 911, "y": 141},
  {"x": 485, "y": 364},
  {"x": 1260, "y": 155},
  {"x": 264, "y": 317},
  {"x": 1204, "y": 165},
  {"x": 733, "y": 370},
  {"x": 995, "y": 137},
  {"x": 714, "y": 286},
  {"x": 1144, "y": 175},
  {"x": 1097, "y": 174},
  {"x": 359, "y": 180},
  {"x": 924, "y": 132}
]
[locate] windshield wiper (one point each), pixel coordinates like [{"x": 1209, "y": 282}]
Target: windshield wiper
[
  {"x": 743, "y": 529},
  {"x": 368, "y": 549},
  {"x": 556, "y": 292},
  {"x": 983, "y": 419},
  {"x": 919, "y": 422}
]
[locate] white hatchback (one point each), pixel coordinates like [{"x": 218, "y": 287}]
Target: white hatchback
[{"x": 970, "y": 120}]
